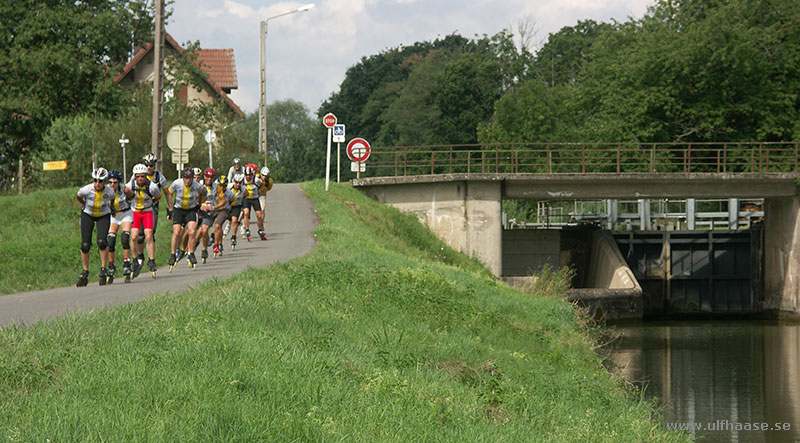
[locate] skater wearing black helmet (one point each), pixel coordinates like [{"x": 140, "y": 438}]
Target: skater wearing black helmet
[{"x": 184, "y": 197}]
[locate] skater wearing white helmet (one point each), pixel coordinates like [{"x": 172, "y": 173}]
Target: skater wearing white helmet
[
  {"x": 143, "y": 194},
  {"x": 96, "y": 201}
]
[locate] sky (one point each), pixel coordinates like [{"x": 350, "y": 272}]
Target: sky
[{"x": 308, "y": 53}]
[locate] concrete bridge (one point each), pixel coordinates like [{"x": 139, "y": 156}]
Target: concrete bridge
[{"x": 465, "y": 208}]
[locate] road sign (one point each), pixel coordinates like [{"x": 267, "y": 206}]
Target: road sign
[
  {"x": 329, "y": 120},
  {"x": 338, "y": 133},
  {"x": 179, "y": 159},
  {"x": 180, "y": 139},
  {"x": 355, "y": 166},
  {"x": 54, "y": 166},
  {"x": 358, "y": 150},
  {"x": 211, "y": 136}
]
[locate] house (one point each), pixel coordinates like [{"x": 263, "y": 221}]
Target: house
[{"x": 219, "y": 64}]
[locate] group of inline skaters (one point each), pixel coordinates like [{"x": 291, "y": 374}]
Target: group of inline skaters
[{"x": 198, "y": 202}]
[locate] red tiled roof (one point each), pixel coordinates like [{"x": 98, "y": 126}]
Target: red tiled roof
[
  {"x": 175, "y": 45},
  {"x": 220, "y": 66}
]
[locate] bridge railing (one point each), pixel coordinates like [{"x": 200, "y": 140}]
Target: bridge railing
[{"x": 585, "y": 158}]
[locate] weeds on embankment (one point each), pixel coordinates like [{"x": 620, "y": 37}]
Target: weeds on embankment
[
  {"x": 40, "y": 240},
  {"x": 381, "y": 334}
]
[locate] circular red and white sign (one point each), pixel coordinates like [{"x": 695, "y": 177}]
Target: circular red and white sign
[
  {"x": 358, "y": 150},
  {"x": 329, "y": 120}
]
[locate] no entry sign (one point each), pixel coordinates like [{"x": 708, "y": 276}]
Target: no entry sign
[
  {"x": 329, "y": 120},
  {"x": 358, "y": 150}
]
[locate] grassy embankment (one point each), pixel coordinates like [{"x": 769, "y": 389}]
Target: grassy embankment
[
  {"x": 382, "y": 333},
  {"x": 40, "y": 240}
]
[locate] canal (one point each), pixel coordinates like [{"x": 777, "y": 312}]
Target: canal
[{"x": 721, "y": 380}]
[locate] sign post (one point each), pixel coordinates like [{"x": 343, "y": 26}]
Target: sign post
[
  {"x": 329, "y": 121},
  {"x": 124, "y": 141},
  {"x": 211, "y": 137},
  {"x": 180, "y": 141},
  {"x": 338, "y": 138},
  {"x": 358, "y": 150}
]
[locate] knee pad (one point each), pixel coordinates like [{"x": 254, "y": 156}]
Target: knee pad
[
  {"x": 126, "y": 240},
  {"x": 112, "y": 242},
  {"x": 85, "y": 247},
  {"x": 141, "y": 237},
  {"x": 102, "y": 244}
]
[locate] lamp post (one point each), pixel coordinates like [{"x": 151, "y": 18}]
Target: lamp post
[
  {"x": 262, "y": 110},
  {"x": 124, "y": 141}
]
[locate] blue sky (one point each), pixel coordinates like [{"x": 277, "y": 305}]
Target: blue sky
[{"x": 309, "y": 52}]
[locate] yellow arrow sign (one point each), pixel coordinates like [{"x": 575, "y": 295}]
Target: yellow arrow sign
[{"x": 54, "y": 166}]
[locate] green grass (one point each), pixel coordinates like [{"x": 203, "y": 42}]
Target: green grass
[
  {"x": 40, "y": 240},
  {"x": 381, "y": 334}
]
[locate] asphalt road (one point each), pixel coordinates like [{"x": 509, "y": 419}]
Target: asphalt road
[{"x": 290, "y": 221}]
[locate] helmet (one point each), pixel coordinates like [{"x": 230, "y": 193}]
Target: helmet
[
  {"x": 238, "y": 177},
  {"x": 209, "y": 172},
  {"x": 139, "y": 169},
  {"x": 100, "y": 174},
  {"x": 237, "y": 160},
  {"x": 265, "y": 171},
  {"x": 222, "y": 180},
  {"x": 115, "y": 174},
  {"x": 249, "y": 170},
  {"x": 252, "y": 166},
  {"x": 187, "y": 173},
  {"x": 197, "y": 172},
  {"x": 149, "y": 159}
]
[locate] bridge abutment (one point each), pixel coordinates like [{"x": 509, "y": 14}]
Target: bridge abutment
[
  {"x": 781, "y": 259},
  {"x": 465, "y": 215}
]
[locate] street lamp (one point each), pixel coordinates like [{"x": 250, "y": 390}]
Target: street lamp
[{"x": 262, "y": 110}]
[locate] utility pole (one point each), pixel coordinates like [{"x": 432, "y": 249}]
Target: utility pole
[
  {"x": 158, "y": 81},
  {"x": 262, "y": 105}
]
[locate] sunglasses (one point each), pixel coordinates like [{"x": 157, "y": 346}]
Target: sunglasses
[
  {"x": 98, "y": 181},
  {"x": 113, "y": 182}
]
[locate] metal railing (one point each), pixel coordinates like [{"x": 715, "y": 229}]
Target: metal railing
[{"x": 584, "y": 158}]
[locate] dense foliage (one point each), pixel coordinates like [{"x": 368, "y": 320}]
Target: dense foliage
[
  {"x": 689, "y": 70},
  {"x": 59, "y": 58}
]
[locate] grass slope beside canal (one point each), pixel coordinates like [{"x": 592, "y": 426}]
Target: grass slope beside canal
[
  {"x": 382, "y": 333},
  {"x": 40, "y": 239}
]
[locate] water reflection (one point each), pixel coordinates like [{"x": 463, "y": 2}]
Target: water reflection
[{"x": 726, "y": 378}]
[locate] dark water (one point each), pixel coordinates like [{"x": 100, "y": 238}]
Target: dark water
[{"x": 728, "y": 379}]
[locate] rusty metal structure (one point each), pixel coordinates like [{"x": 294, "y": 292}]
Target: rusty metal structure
[{"x": 585, "y": 158}]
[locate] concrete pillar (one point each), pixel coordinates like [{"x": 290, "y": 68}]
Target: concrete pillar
[
  {"x": 733, "y": 213},
  {"x": 691, "y": 213},
  {"x": 465, "y": 215},
  {"x": 484, "y": 224},
  {"x": 611, "y": 210},
  {"x": 782, "y": 254},
  {"x": 644, "y": 214}
]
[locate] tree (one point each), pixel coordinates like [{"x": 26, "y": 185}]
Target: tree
[{"x": 58, "y": 60}]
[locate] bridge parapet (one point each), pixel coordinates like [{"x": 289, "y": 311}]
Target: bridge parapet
[{"x": 585, "y": 158}]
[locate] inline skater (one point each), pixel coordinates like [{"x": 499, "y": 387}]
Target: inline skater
[
  {"x": 263, "y": 188},
  {"x": 211, "y": 203},
  {"x": 198, "y": 178},
  {"x": 183, "y": 197},
  {"x": 150, "y": 160},
  {"x": 142, "y": 193},
  {"x": 237, "y": 168},
  {"x": 251, "y": 186},
  {"x": 224, "y": 196},
  {"x": 123, "y": 217},
  {"x": 96, "y": 200},
  {"x": 236, "y": 206}
]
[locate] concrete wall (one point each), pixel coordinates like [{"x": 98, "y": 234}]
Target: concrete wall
[
  {"x": 465, "y": 215},
  {"x": 607, "y": 267},
  {"x": 781, "y": 249},
  {"x": 527, "y": 250}
]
